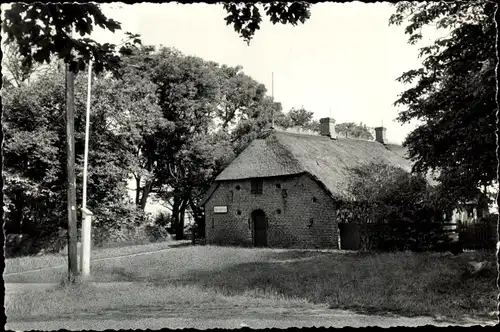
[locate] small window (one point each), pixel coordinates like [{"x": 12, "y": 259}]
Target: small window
[
  {"x": 278, "y": 211},
  {"x": 238, "y": 212},
  {"x": 278, "y": 185},
  {"x": 314, "y": 199},
  {"x": 238, "y": 187},
  {"x": 257, "y": 185}
]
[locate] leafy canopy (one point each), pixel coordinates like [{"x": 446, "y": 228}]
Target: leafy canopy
[
  {"x": 452, "y": 94},
  {"x": 246, "y": 17},
  {"x": 44, "y": 30}
]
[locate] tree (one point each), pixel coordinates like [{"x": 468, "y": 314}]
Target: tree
[
  {"x": 453, "y": 96},
  {"x": 351, "y": 129},
  {"x": 14, "y": 72},
  {"x": 43, "y": 30},
  {"x": 131, "y": 106},
  {"x": 300, "y": 117},
  {"x": 34, "y": 159},
  {"x": 246, "y": 17},
  {"x": 400, "y": 207},
  {"x": 240, "y": 95}
]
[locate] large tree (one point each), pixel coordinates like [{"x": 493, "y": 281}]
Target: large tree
[
  {"x": 34, "y": 160},
  {"x": 453, "y": 96},
  {"x": 42, "y": 32}
]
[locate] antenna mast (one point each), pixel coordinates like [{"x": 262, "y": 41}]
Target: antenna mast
[{"x": 272, "y": 97}]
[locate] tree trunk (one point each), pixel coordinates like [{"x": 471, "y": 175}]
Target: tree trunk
[
  {"x": 175, "y": 213},
  {"x": 198, "y": 219},
  {"x": 137, "y": 190},
  {"x": 179, "y": 232},
  {"x": 145, "y": 193}
]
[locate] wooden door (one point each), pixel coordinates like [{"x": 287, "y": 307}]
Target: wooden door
[
  {"x": 259, "y": 228},
  {"x": 349, "y": 236}
]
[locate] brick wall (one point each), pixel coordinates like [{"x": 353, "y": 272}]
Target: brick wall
[{"x": 306, "y": 218}]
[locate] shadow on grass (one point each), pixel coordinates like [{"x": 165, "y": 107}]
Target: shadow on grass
[{"x": 395, "y": 284}]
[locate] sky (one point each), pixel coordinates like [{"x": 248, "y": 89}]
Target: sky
[{"x": 343, "y": 62}]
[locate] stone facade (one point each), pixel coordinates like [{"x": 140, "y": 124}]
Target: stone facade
[{"x": 299, "y": 213}]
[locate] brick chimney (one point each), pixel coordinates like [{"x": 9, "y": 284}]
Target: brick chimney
[
  {"x": 380, "y": 135},
  {"x": 327, "y": 128}
]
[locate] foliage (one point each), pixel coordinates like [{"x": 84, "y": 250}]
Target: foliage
[
  {"x": 34, "y": 157},
  {"x": 246, "y": 17},
  {"x": 395, "y": 209},
  {"x": 178, "y": 119},
  {"x": 453, "y": 96},
  {"x": 303, "y": 119},
  {"x": 300, "y": 117},
  {"x": 14, "y": 72},
  {"x": 240, "y": 95},
  {"x": 41, "y": 31},
  {"x": 354, "y": 130},
  {"x": 393, "y": 194}
]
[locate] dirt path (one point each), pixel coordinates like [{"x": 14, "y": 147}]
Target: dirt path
[
  {"x": 208, "y": 316},
  {"x": 222, "y": 317}
]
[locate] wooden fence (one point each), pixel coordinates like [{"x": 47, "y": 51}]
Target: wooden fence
[
  {"x": 417, "y": 236},
  {"x": 478, "y": 235}
]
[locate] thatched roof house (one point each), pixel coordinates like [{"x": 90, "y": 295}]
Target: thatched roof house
[
  {"x": 329, "y": 161},
  {"x": 281, "y": 190}
]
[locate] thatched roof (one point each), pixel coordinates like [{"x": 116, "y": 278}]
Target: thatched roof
[{"x": 328, "y": 161}]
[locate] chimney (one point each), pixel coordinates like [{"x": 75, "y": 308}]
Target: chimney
[
  {"x": 380, "y": 135},
  {"x": 327, "y": 127}
]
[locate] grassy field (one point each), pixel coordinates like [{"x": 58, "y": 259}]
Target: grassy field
[
  {"x": 14, "y": 265},
  {"x": 404, "y": 283}
]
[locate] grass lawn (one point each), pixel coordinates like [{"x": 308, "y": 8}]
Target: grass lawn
[
  {"x": 132, "y": 300},
  {"x": 403, "y": 283},
  {"x": 408, "y": 284},
  {"x": 20, "y": 264}
]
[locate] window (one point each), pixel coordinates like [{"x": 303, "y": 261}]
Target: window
[
  {"x": 257, "y": 185},
  {"x": 278, "y": 211},
  {"x": 314, "y": 199},
  {"x": 278, "y": 185},
  {"x": 238, "y": 212},
  {"x": 238, "y": 187}
]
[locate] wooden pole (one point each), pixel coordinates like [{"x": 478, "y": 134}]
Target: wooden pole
[
  {"x": 71, "y": 178},
  {"x": 86, "y": 214}
]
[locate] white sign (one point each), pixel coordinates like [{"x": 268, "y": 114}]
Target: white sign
[{"x": 220, "y": 209}]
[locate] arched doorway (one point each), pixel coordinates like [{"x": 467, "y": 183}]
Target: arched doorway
[{"x": 259, "y": 228}]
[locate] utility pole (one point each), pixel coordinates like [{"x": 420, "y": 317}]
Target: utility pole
[
  {"x": 272, "y": 97},
  {"x": 71, "y": 178}
]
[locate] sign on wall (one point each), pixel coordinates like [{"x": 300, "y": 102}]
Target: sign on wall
[{"x": 220, "y": 209}]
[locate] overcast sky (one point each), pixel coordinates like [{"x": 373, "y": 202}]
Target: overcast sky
[{"x": 342, "y": 62}]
